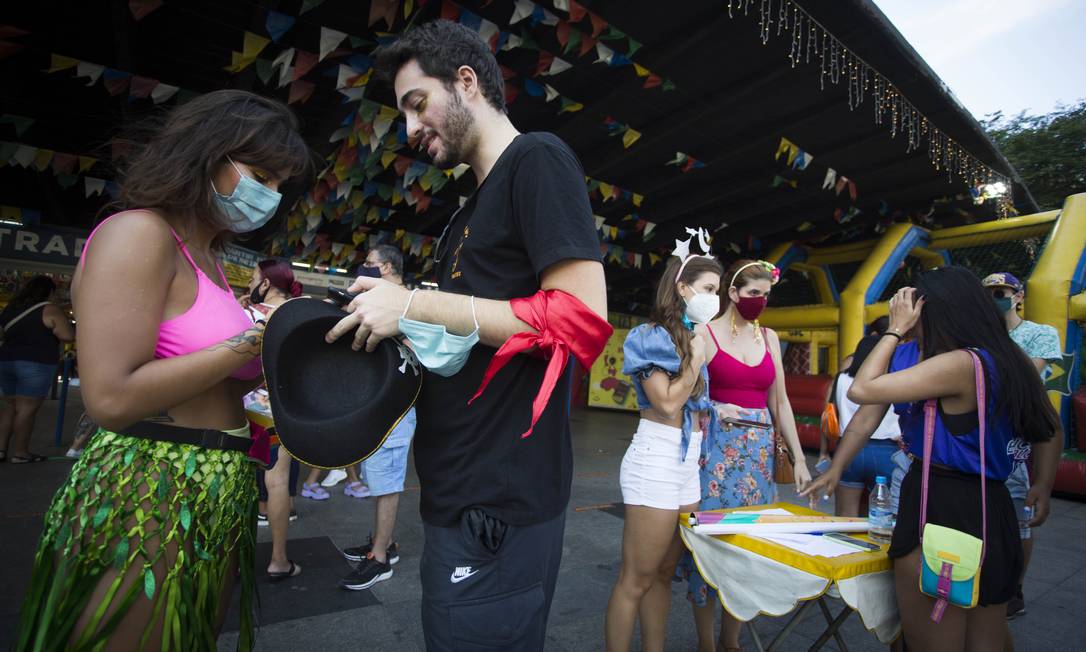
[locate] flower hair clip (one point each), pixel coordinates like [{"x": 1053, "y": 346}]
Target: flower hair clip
[
  {"x": 682, "y": 248},
  {"x": 774, "y": 271}
]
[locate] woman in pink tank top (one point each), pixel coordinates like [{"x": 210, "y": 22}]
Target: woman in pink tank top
[
  {"x": 166, "y": 489},
  {"x": 746, "y": 382}
]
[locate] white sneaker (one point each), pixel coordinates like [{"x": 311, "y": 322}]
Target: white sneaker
[
  {"x": 334, "y": 477},
  {"x": 73, "y": 454}
]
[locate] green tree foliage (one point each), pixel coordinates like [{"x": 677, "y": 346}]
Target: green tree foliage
[{"x": 1049, "y": 151}]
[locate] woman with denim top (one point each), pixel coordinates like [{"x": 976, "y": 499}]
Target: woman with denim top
[{"x": 659, "y": 474}]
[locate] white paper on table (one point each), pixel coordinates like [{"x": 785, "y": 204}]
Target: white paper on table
[{"x": 812, "y": 544}]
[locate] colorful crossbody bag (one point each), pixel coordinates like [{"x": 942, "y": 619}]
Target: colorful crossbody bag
[{"x": 951, "y": 560}]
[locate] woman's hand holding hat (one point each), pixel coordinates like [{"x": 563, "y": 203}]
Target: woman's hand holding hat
[{"x": 374, "y": 314}]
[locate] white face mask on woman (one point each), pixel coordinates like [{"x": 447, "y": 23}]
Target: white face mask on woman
[{"x": 701, "y": 308}]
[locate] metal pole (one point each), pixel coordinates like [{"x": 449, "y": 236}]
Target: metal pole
[{"x": 65, "y": 378}]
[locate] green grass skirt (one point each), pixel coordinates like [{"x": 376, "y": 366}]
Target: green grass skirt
[{"x": 149, "y": 521}]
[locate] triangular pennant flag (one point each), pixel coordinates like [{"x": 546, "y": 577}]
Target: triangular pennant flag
[
  {"x": 793, "y": 152},
  {"x": 679, "y": 159},
  {"x": 604, "y": 54},
  {"x": 558, "y": 66},
  {"x": 303, "y": 63},
  {"x": 8, "y": 49},
  {"x": 637, "y": 199},
  {"x": 544, "y": 63},
  {"x": 641, "y": 70},
  {"x": 852, "y": 190},
  {"x": 634, "y": 47},
  {"x": 278, "y": 24},
  {"x": 253, "y": 45},
  {"x": 613, "y": 34},
  {"x": 58, "y": 63},
  {"x": 649, "y": 228},
  {"x": 576, "y": 11},
  {"x": 630, "y": 137},
  {"x": 300, "y": 91},
  {"x": 91, "y": 71},
  {"x": 383, "y": 10},
  {"x": 140, "y": 8},
  {"x": 92, "y": 186},
  {"x": 533, "y": 88},
  {"x": 653, "y": 81},
  {"x": 551, "y": 92},
  {"x": 42, "y": 159},
  {"x": 522, "y": 9},
  {"x": 807, "y": 158},
  {"x": 141, "y": 86},
  {"x": 21, "y": 123},
  {"x": 512, "y": 42},
  {"x": 599, "y": 221},
  {"x": 330, "y": 40},
  {"x": 598, "y": 25},
  {"x": 561, "y": 5},
  {"x": 116, "y": 81},
  {"x": 831, "y": 178},
  {"x": 798, "y": 159},
  {"x": 238, "y": 62},
  {"x": 264, "y": 70},
  {"x": 842, "y": 183},
  {"x": 487, "y": 30},
  {"x": 569, "y": 106},
  {"x": 63, "y": 163},
  {"x": 310, "y": 4},
  {"x": 86, "y": 163},
  {"x": 24, "y": 155},
  {"x": 783, "y": 148}
]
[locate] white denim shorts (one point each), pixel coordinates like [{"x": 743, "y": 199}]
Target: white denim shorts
[{"x": 652, "y": 474}]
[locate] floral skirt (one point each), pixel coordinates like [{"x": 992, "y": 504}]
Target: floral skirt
[
  {"x": 143, "y": 521},
  {"x": 736, "y": 471}
]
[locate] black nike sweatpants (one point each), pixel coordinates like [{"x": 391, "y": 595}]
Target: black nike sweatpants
[{"x": 487, "y": 585}]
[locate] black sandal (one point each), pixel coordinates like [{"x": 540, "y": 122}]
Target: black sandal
[
  {"x": 33, "y": 458},
  {"x": 294, "y": 571}
]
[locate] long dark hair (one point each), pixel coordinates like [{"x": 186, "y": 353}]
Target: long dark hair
[
  {"x": 36, "y": 290},
  {"x": 174, "y": 159},
  {"x": 863, "y": 349},
  {"x": 669, "y": 308},
  {"x": 280, "y": 276},
  {"x": 959, "y": 313}
]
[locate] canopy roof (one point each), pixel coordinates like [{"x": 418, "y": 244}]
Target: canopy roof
[{"x": 717, "y": 114}]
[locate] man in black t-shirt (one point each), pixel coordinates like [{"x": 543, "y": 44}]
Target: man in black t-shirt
[{"x": 493, "y": 502}]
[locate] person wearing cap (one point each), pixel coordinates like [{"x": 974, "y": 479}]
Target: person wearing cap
[
  {"x": 385, "y": 469},
  {"x": 1041, "y": 343}
]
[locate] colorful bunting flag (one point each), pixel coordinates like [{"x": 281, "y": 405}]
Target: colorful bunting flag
[
  {"x": 89, "y": 70},
  {"x": 330, "y": 40},
  {"x": 278, "y": 24},
  {"x": 140, "y": 8},
  {"x": 383, "y": 10}
]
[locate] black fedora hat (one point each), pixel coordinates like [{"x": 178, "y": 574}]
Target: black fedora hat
[{"x": 333, "y": 406}]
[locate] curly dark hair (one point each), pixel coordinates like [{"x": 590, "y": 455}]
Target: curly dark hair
[
  {"x": 440, "y": 47},
  {"x": 175, "y": 156}
]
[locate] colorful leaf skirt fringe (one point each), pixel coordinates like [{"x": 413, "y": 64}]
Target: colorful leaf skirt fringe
[{"x": 141, "y": 521}]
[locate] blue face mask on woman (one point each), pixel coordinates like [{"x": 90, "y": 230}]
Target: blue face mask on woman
[
  {"x": 251, "y": 204},
  {"x": 435, "y": 347}
]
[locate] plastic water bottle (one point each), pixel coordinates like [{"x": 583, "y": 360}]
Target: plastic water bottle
[{"x": 880, "y": 518}]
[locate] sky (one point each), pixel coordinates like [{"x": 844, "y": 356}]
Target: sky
[{"x": 1000, "y": 55}]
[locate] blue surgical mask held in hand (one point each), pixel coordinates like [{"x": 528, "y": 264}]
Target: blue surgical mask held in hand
[{"x": 435, "y": 347}]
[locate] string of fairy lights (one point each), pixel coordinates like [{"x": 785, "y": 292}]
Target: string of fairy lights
[{"x": 809, "y": 39}]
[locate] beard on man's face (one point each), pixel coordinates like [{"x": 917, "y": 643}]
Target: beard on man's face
[{"x": 455, "y": 134}]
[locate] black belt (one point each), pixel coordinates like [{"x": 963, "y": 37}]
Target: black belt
[{"x": 211, "y": 439}]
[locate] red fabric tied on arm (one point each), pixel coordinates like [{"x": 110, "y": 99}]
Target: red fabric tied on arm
[{"x": 565, "y": 325}]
